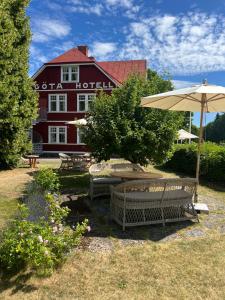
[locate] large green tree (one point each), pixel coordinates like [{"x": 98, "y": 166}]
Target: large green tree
[
  {"x": 215, "y": 131},
  {"x": 18, "y": 100},
  {"x": 119, "y": 126}
]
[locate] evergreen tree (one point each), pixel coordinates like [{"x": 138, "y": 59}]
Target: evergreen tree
[
  {"x": 118, "y": 125},
  {"x": 18, "y": 100}
]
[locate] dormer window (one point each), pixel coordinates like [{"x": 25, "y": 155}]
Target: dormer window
[{"x": 70, "y": 73}]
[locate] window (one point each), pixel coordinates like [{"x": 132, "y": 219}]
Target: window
[
  {"x": 57, "y": 135},
  {"x": 84, "y": 101},
  {"x": 80, "y": 135},
  {"x": 57, "y": 102},
  {"x": 70, "y": 73}
]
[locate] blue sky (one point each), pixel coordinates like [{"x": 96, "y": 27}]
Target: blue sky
[{"x": 183, "y": 37}]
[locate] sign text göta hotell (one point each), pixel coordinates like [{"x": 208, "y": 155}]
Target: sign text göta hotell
[{"x": 77, "y": 86}]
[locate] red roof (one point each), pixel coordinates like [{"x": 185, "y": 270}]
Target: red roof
[
  {"x": 120, "y": 70},
  {"x": 117, "y": 70},
  {"x": 71, "y": 56}
]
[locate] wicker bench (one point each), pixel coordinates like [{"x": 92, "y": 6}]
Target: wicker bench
[
  {"x": 143, "y": 202},
  {"x": 100, "y": 179}
]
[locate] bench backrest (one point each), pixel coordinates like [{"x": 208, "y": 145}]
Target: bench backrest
[{"x": 157, "y": 185}]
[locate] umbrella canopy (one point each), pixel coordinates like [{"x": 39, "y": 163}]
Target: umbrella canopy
[
  {"x": 203, "y": 98},
  {"x": 78, "y": 123},
  {"x": 189, "y": 99},
  {"x": 185, "y": 135}
]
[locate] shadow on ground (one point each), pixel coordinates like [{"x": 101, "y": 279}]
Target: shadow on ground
[
  {"x": 18, "y": 283},
  {"x": 98, "y": 214}
]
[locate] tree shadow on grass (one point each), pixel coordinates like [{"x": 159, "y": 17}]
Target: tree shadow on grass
[{"x": 17, "y": 283}]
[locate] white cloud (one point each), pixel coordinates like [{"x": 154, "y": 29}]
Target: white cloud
[
  {"x": 102, "y": 50},
  {"x": 85, "y": 7},
  {"x": 37, "y": 58},
  {"x": 47, "y": 29},
  {"x": 130, "y": 9},
  {"x": 121, "y": 3},
  {"x": 182, "y": 44},
  {"x": 180, "y": 84}
]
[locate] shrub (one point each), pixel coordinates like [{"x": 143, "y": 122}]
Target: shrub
[
  {"x": 47, "y": 180},
  {"x": 40, "y": 246},
  {"x": 212, "y": 165}
]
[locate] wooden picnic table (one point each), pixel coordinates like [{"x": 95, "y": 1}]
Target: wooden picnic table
[
  {"x": 32, "y": 160},
  {"x": 132, "y": 175}
]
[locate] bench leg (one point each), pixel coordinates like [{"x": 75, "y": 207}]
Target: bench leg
[{"x": 163, "y": 219}]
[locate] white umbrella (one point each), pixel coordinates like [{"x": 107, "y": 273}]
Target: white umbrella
[
  {"x": 78, "y": 123},
  {"x": 203, "y": 98},
  {"x": 185, "y": 135}
]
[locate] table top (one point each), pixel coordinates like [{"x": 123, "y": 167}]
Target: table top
[
  {"x": 32, "y": 156},
  {"x": 136, "y": 175}
]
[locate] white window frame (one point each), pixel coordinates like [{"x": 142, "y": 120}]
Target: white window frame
[
  {"x": 78, "y": 137},
  {"x": 57, "y": 134},
  {"x": 70, "y": 73},
  {"x": 57, "y": 103},
  {"x": 86, "y": 100}
]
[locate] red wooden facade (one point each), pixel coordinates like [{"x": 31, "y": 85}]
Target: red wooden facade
[{"x": 62, "y": 84}]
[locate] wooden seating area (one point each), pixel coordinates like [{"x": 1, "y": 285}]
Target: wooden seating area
[
  {"x": 66, "y": 161},
  {"x": 143, "y": 202},
  {"x": 100, "y": 179},
  {"x": 80, "y": 162}
]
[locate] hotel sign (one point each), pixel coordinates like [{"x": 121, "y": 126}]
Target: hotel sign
[{"x": 77, "y": 86}]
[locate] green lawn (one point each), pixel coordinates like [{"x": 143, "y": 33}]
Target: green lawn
[{"x": 190, "y": 268}]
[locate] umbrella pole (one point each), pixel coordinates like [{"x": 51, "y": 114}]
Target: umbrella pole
[{"x": 203, "y": 100}]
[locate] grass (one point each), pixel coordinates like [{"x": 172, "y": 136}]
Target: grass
[
  {"x": 192, "y": 270},
  {"x": 182, "y": 269}
]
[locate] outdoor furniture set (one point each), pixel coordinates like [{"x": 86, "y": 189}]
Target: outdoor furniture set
[
  {"x": 79, "y": 162},
  {"x": 30, "y": 160},
  {"x": 149, "y": 199}
]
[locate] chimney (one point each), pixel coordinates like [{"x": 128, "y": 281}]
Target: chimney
[{"x": 83, "y": 49}]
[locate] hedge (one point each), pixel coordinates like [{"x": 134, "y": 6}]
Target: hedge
[{"x": 212, "y": 161}]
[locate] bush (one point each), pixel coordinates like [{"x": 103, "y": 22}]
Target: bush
[
  {"x": 41, "y": 244},
  {"x": 47, "y": 180},
  {"x": 212, "y": 165}
]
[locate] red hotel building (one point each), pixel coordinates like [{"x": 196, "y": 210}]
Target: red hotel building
[{"x": 66, "y": 85}]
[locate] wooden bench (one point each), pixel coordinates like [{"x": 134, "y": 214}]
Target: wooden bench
[{"x": 143, "y": 202}]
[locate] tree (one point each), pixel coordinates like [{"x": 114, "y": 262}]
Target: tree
[
  {"x": 214, "y": 131},
  {"x": 119, "y": 126},
  {"x": 18, "y": 100}
]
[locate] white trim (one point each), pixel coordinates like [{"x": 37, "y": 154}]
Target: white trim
[
  {"x": 80, "y": 64},
  {"x": 58, "y": 121},
  {"x": 64, "y": 112},
  {"x": 57, "y": 103},
  {"x": 59, "y": 151},
  {"x": 57, "y": 135},
  {"x": 70, "y": 73},
  {"x": 70, "y": 144},
  {"x": 86, "y": 101},
  {"x": 78, "y": 137}
]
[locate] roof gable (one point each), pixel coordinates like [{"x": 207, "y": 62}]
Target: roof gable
[{"x": 71, "y": 56}]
